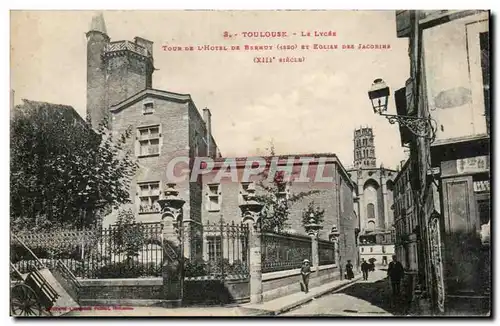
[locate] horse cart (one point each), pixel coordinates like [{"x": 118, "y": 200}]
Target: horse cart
[{"x": 35, "y": 292}]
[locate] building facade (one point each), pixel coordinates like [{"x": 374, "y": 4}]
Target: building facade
[
  {"x": 374, "y": 198},
  {"x": 408, "y": 246},
  {"x": 451, "y": 166},
  {"x": 162, "y": 125},
  {"x": 222, "y": 198},
  {"x": 166, "y": 126}
]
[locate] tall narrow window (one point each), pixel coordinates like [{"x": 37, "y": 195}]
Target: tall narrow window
[
  {"x": 244, "y": 186},
  {"x": 214, "y": 248},
  {"x": 370, "y": 211},
  {"x": 149, "y": 193},
  {"x": 213, "y": 197}
]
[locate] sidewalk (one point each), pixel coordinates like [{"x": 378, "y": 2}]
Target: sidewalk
[
  {"x": 270, "y": 308},
  {"x": 283, "y": 304}
]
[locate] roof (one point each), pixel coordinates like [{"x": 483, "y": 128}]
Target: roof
[
  {"x": 98, "y": 24},
  {"x": 150, "y": 92},
  {"x": 331, "y": 158},
  {"x": 31, "y": 106}
]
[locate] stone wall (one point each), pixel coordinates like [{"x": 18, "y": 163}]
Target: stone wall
[{"x": 279, "y": 284}]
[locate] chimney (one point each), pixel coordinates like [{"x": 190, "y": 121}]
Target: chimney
[{"x": 207, "y": 117}]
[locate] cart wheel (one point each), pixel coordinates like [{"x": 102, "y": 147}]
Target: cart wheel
[{"x": 24, "y": 301}]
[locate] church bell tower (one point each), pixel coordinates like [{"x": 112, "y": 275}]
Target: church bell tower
[{"x": 364, "y": 148}]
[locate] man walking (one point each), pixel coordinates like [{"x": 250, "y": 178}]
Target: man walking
[
  {"x": 364, "y": 268},
  {"x": 395, "y": 273}
]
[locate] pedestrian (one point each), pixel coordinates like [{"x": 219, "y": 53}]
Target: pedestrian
[
  {"x": 395, "y": 273},
  {"x": 305, "y": 271},
  {"x": 365, "y": 268},
  {"x": 348, "y": 269}
]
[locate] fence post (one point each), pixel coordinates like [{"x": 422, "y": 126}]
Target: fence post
[
  {"x": 315, "y": 251},
  {"x": 255, "y": 241},
  {"x": 251, "y": 213}
]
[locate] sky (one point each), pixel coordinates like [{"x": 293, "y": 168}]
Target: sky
[{"x": 308, "y": 107}]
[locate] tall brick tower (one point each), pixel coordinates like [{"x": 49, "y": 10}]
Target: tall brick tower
[
  {"x": 364, "y": 148},
  {"x": 97, "y": 41},
  {"x": 115, "y": 70}
]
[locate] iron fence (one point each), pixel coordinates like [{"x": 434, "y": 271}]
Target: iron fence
[
  {"x": 326, "y": 252},
  {"x": 224, "y": 253},
  {"x": 283, "y": 251},
  {"x": 120, "y": 251}
]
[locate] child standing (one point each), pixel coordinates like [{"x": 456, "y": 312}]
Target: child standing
[{"x": 305, "y": 271}]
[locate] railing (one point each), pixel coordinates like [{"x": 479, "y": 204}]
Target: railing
[
  {"x": 326, "y": 252},
  {"x": 126, "y": 45},
  {"x": 225, "y": 252},
  {"x": 283, "y": 252},
  {"x": 120, "y": 251}
]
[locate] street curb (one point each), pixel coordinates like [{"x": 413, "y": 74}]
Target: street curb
[{"x": 319, "y": 294}]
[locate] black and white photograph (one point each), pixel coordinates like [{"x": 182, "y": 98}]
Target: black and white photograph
[{"x": 250, "y": 163}]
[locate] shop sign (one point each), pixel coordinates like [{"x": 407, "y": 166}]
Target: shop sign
[{"x": 473, "y": 164}]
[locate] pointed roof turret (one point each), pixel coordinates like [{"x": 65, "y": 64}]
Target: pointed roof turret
[{"x": 98, "y": 24}]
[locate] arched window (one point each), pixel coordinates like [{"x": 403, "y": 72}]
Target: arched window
[
  {"x": 370, "y": 211},
  {"x": 364, "y": 142},
  {"x": 372, "y": 152}
]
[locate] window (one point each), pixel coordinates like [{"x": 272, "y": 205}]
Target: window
[
  {"x": 383, "y": 249},
  {"x": 214, "y": 248},
  {"x": 371, "y": 249},
  {"x": 372, "y": 152},
  {"x": 364, "y": 142},
  {"x": 213, "y": 196},
  {"x": 362, "y": 249},
  {"x": 148, "y": 108},
  {"x": 196, "y": 151},
  {"x": 370, "y": 211},
  {"x": 148, "y": 140},
  {"x": 284, "y": 191},
  {"x": 149, "y": 193},
  {"x": 244, "y": 186}
]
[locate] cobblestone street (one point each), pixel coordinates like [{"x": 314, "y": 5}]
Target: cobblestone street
[{"x": 363, "y": 298}]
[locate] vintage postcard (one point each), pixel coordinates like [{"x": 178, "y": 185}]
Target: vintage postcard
[{"x": 250, "y": 163}]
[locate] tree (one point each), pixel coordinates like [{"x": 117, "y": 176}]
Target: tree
[
  {"x": 128, "y": 236},
  {"x": 62, "y": 170},
  {"x": 312, "y": 212},
  {"x": 276, "y": 199}
]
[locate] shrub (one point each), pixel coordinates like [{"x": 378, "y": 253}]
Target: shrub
[{"x": 128, "y": 269}]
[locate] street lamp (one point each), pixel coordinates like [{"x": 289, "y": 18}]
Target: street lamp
[{"x": 379, "y": 97}]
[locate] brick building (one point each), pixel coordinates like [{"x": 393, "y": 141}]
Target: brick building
[
  {"x": 222, "y": 198},
  {"x": 165, "y": 126}
]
